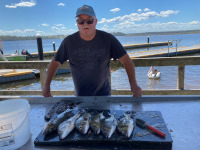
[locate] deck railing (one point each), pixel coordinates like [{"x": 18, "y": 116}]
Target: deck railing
[{"x": 181, "y": 62}]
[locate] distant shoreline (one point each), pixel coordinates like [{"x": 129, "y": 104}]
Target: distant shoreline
[
  {"x": 18, "y": 38},
  {"x": 165, "y": 33}
]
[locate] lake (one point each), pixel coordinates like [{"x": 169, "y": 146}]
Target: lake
[{"x": 119, "y": 78}]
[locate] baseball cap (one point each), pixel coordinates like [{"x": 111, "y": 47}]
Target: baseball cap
[{"x": 85, "y": 10}]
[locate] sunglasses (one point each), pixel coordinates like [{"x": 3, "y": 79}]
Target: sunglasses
[{"x": 88, "y": 21}]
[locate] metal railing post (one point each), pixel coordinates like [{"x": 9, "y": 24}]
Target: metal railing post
[{"x": 168, "y": 48}]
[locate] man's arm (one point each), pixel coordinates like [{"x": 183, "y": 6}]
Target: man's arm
[
  {"x": 130, "y": 70},
  {"x": 53, "y": 66}
]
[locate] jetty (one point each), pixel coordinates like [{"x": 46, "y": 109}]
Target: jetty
[
  {"x": 133, "y": 46},
  {"x": 165, "y": 52},
  {"x": 12, "y": 75},
  {"x": 127, "y": 47}
]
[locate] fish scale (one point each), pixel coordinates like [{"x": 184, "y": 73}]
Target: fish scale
[
  {"x": 67, "y": 126},
  {"x": 53, "y": 124},
  {"x": 82, "y": 123},
  {"x": 108, "y": 126},
  {"x": 126, "y": 126},
  {"x": 95, "y": 122}
]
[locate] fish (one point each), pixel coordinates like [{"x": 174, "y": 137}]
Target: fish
[
  {"x": 82, "y": 123},
  {"x": 67, "y": 126},
  {"x": 53, "y": 124},
  {"x": 108, "y": 126},
  {"x": 126, "y": 126},
  {"x": 95, "y": 122}
]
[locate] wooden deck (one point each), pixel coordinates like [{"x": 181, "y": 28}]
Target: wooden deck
[
  {"x": 165, "y": 52},
  {"x": 127, "y": 47},
  {"x": 133, "y": 46}
]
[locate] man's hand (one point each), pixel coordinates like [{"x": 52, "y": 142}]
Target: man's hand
[
  {"x": 46, "y": 91},
  {"x": 137, "y": 91}
]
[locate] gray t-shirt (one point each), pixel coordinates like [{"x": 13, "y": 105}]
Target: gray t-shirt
[{"x": 89, "y": 61}]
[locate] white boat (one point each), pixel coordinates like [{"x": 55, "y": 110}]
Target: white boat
[{"x": 151, "y": 75}]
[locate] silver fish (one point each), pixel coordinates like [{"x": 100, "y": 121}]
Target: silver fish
[
  {"x": 53, "y": 124},
  {"x": 82, "y": 123},
  {"x": 67, "y": 126},
  {"x": 95, "y": 122},
  {"x": 108, "y": 126},
  {"x": 126, "y": 126}
]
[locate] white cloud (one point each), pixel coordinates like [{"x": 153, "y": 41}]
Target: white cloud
[
  {"x": 22, "y": 4},
  {"x": 138, "y": 16},
  {"x": 146, "y": 9},
  {"x": 167, "y": 13},
  {"x": 139, "y": 10},
  {"x": 61, "y": 4},
  {"x": 54, "y": 28},
  {"x": 19, "y": 32},
  {"x": 45, "y": 25},
  {"x": 115, "y": 10},
  {"x": 59, "y": 25},
  {"x": 132, "y": 27},
  {"x": 130, "y": 17},
  {"x": 63, "y": 28},
  {"x": 195, "y": 22}
]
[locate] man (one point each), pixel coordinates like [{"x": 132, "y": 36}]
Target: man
[{"x": 89, "y": 52}]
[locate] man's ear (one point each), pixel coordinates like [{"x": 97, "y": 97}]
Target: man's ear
[{"x": 96, "y": 20}]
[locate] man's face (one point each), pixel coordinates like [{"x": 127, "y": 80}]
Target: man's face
[{"x": 86, "y": 25}]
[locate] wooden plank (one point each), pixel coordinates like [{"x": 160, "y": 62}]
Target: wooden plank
[
  {"x": 139, "y": 62},
  {"x": 180, "y": 77},
  {"x": 113, "y": 92},
  {"x": 158, "y": 92},
  {"x": 43, "y": 74}
]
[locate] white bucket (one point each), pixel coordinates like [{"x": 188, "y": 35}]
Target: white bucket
[{"x": 14, "y": 123}]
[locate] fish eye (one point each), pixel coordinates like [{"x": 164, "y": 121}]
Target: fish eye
[{"x": 80, "y": 127}]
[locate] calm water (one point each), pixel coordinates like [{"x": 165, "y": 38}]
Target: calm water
[{"x": 119, "y": 78}]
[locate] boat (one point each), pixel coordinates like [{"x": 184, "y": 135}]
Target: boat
[{"x": 13, "y": 57}]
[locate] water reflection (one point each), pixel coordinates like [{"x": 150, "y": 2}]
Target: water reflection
[{"x": 152, "y": 83}]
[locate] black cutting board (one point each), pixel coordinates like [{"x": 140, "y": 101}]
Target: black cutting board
[{"x": 140, "y": 138}]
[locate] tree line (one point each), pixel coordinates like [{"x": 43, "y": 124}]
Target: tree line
[{"x": 19, "y": 38}]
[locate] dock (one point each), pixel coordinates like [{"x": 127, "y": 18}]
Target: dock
[
  {"x": 12, "y": 75},
  {"x": 45, "y": 54},
  {"x": 186, "y": 50},
  {"x": 127, "y": 47},
  {"x": 133, "y": 46}
]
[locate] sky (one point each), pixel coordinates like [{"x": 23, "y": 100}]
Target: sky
[{"x": 55, "y": 17}]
